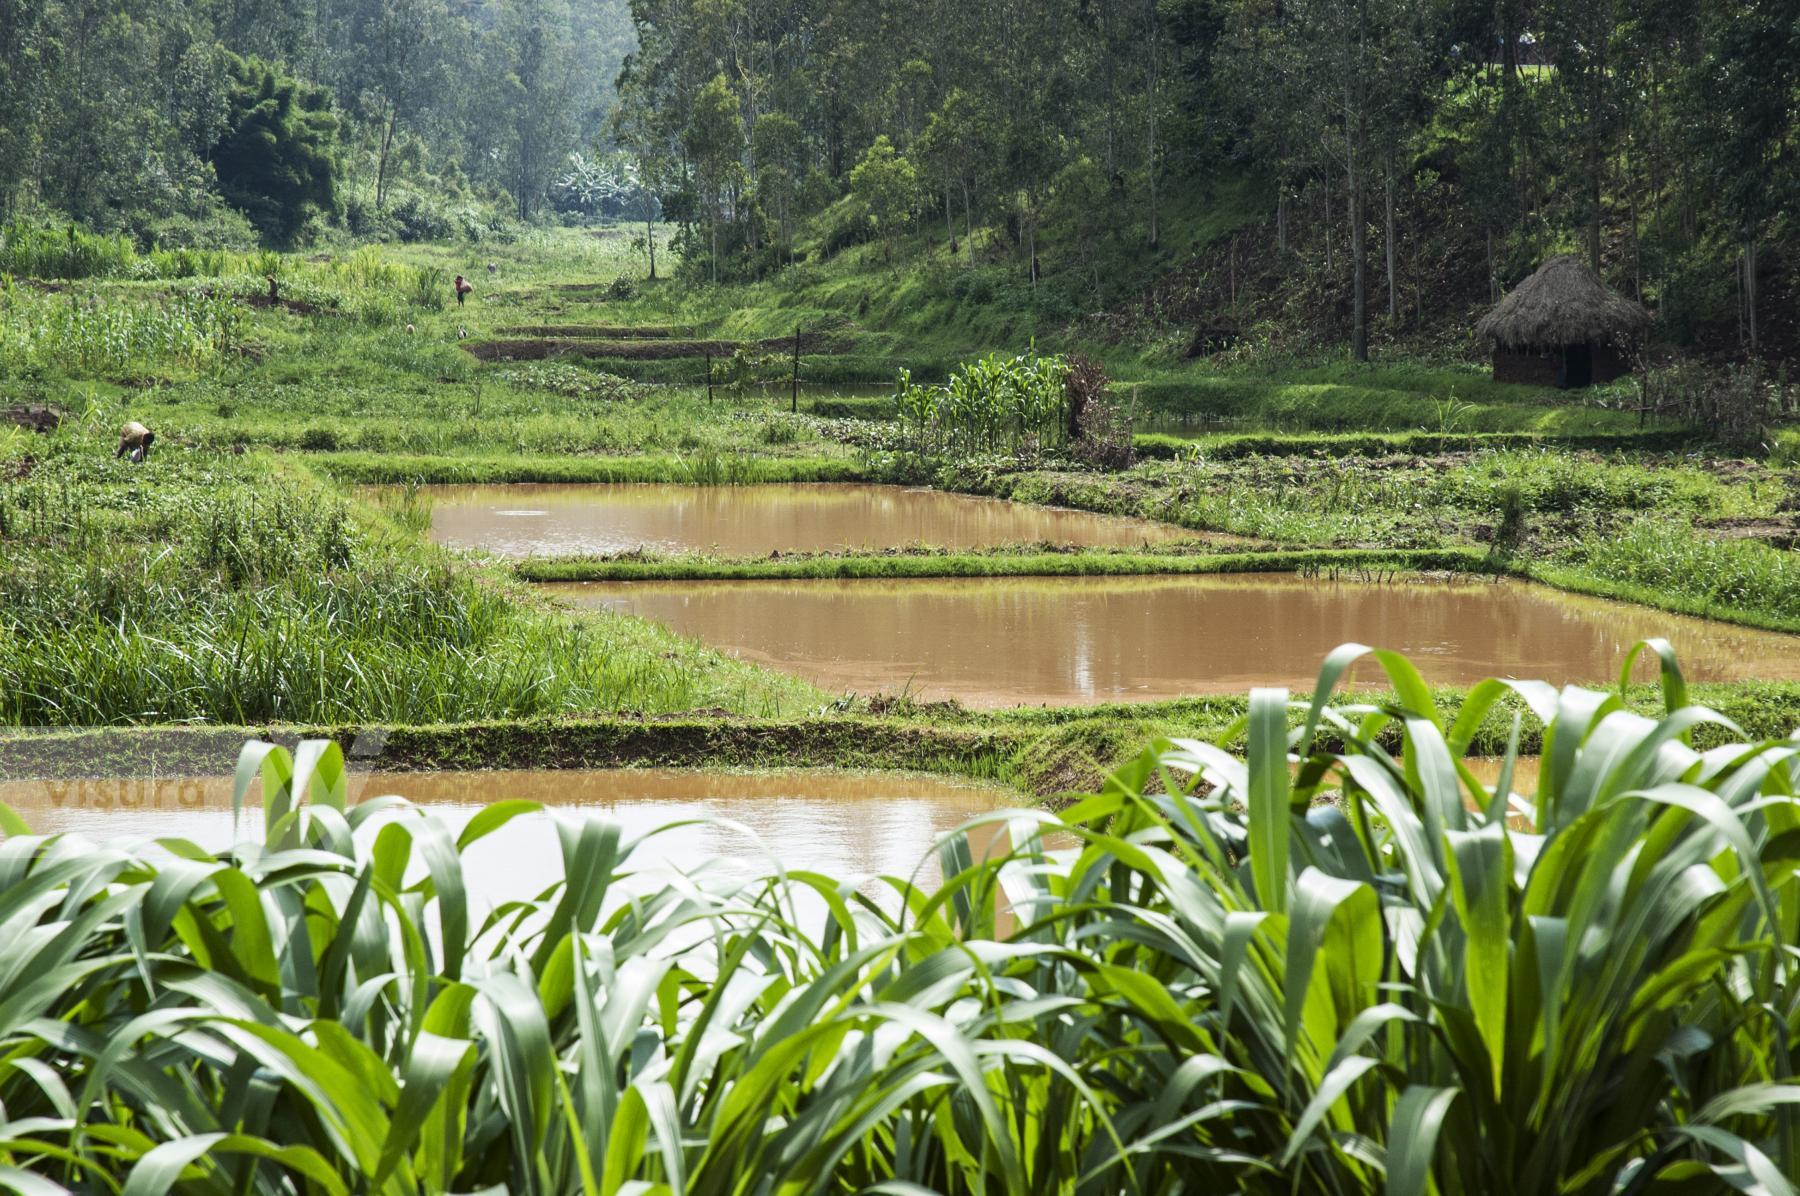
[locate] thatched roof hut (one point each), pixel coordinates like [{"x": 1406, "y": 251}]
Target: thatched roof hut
[{"x": 1563, "y": 326}]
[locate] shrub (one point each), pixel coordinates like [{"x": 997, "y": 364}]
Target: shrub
[{"x": 419, "y": 220}]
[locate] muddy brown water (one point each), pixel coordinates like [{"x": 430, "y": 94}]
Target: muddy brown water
[
  {"x": 739, "y": 824},
  {"x": 1010, "y": 641},
  {"x": 528, "y": 519}
]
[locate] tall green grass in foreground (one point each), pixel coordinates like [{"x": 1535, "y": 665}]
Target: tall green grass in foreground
[
  {"x": 1210, "y": 979},
  {"x": 225, "y": 589}
]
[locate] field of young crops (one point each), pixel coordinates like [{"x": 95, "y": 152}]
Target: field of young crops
[{"x": 1208, "y": 977}]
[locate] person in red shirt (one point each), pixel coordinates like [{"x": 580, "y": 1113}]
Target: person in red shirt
[{"x": 463, "y": 287}]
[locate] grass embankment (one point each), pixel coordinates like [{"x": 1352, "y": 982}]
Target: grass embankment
[
  {"x": 1043, "y": 752},
  {"x": 1010, "y": 561},
  {"x": 1674, "y": 569},
  {"x": 1225, "y": 445},
  {"x": 699, "y": 469},
  {"x": 1377, "y": 399},
  {"x": 1645, "y": 528}
]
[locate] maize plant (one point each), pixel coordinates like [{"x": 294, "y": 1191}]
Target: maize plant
[
  {"x": 1324, "y": 965},
  {"x": 992, "y": 407}
]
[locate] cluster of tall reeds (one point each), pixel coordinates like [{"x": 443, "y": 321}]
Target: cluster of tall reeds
[
  {"x": 204, "y": 593},
  {"x": 1321, "y": 967}
]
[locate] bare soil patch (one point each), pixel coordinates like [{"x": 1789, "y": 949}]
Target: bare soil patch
[
  {"x": 299, "y": 307},
  {"x": 1777, "y": 532},
  {"x": 617, "y": 332},
  {"x": 34, "y": 417},
  {"x": 665, "y": 349}
]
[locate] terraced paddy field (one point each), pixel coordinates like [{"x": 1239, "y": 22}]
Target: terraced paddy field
[
  {"x": 985, "y": 593},
  {"x": 755, "y": 520},
  {"x": 1001, "y": 642},
  {"x": 243, "y": 577}
]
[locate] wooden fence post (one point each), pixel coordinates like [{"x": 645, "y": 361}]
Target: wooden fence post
[{"x": 794, "y": 405}]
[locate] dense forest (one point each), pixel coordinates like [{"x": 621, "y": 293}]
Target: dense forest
[
  {"x": 1400, "y": 146},
  {"x": 413, "y": 118},
  {"x": 1396, "y": 157}
]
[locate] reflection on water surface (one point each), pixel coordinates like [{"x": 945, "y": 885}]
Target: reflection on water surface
[
  {"x": 843, "y": 823},
  {"x": 1004, "y": 641},
  {"x": 553, "y": 520}
]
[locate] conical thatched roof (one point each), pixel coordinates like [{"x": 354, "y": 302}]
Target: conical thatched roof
[{"x": 1563, "y": 303}]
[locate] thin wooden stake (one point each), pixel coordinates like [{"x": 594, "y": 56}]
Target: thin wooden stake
[{"x": 794, "y": 406}]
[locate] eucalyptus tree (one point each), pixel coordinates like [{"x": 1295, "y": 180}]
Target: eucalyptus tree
[
  {"x": 714, "y": 140},
  {"x": 636, "y": 126},
  {"x": 25, "y": 70},
  {"x": 1580, "y": 34},
  {"x": 885, "y": 186},
  {"x": 534, "y": 56},
  {"x": 398, "y": 67},
  {"x": 1748, "y": 81},
  {"x": 778, "y": 146},
  {"x": 1261, "y": 73}
]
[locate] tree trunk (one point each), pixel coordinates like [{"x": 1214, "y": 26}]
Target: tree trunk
[
  {"x": 1493, "y": 283},
  {"x": 1281, "y": 219},
  {"x": 381, "y": 162},
  {"x": 949, "y": 219},
  {"x": 1106, "y": 49},
  {"x": 1325, "y": 223},
  {"x": 1359, "y": 335},
  {"x": 1637, "y": 257},
  {"x": 1387, "y": 184},
  {"x": 968, "y": 222},
  {"x": 1359, "y": 339},
  {"x": 650, "y": 235},
  {"x": 1750, "y": 292},
  {"x": 1594, "y": 173},
  {"x": 1150, "y": 70},
  {"x": 1737, "y": 285}
]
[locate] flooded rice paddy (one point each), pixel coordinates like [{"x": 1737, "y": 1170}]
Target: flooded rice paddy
[
  {"x": 559, "y": 520},
  {"x": 1000, "y": 642},
  {"x": 738, "y": 824}
]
